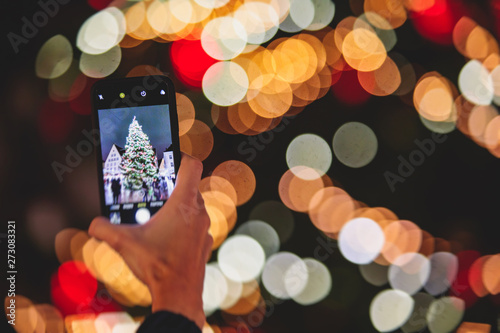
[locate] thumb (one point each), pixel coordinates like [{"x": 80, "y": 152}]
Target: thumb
[
  {"x": 188, "y": 177},
  {"x": 102, "y": 229}
]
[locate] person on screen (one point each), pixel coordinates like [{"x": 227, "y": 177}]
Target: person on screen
[
  {"x": 151, "y": 192},
  {"x": 168, "y": 253},
  {"x": 116, "y": 187},
  {"x": 163, "y": 189}
]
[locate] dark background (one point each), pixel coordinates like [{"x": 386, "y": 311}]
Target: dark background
[{"x": 453, "y": 195}]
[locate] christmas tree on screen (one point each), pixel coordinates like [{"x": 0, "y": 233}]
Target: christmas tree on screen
[{"x": 139, "y": 163}]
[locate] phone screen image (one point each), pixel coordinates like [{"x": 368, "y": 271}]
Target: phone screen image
[{"x": 138, "y": 156}]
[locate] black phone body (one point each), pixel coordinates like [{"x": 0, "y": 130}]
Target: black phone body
[{"x": 138, "y": 154}]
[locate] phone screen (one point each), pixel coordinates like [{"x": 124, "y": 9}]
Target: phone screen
[{"x": 139, "y": 154}]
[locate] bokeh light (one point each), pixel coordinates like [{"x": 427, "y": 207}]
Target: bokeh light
[
  {"x": 76, "y": 323},
  {"x": 101, "y": 32},
  {"x": 393, "y": 12},
  {"x": 198, "y": 141},
  {"x": 233, "y": 295},
  {"x": 491, "y": 276},
  {"x": 224, "y": 38},
  {"x": 347, "y": 89},
  {"x": 277, "y": 215},
  {"x": 67, "y": 86},
  {"x": 190, "y": 61},
  {"x": 215, "y": 289},
  {"x": 319, "y": 283},
  {"x": 167, "y": 19},
  {"x": 491, "y": 135},
  {"x": 81, "y": 90},
  {"x": 473, "y": 327},
  {"x": 262, "y": 233},
  {"x": 186, "y": 113},
  {"x": 324, "y": 11},
  {"x": 88, "y": 251},
  {"x": 375, "y": 274},
  {"x": 409, "y": 272},
  {"x": 298, "y": 186},
  {"x": 285, "y": 275},
  {"x": 383, "y": 81},
  {"x": 218, "y": 184},
  {"x": 62, "y": 244},
  {"x": 219, "y": 226},
  {"x": 390, "y": 309},
  {"x": 139, "y": 25},
  {"x": 442, "y": 127},
  {"x": 472, "y": 40},
  {"x": 113, "y": 321},
  {"x": 419, "y": 5},
  {"x": 119, "y": 280},
  {"x": 76, "y": 283},
  {"x": 476, "y": 83},
  {"x": 259, "y": 19},
  {"x": 269, "y": 96},
  {"x": 249, "y": 298},
  {"x": 381, "y": 27},
  {"x": 54, "y": 58},
  {"x": 355, "y": 144},
  {"x": 311, "y": 151},
  {"x": 51, "y": 318},
  {"x": 479, "y": 119},
  {"x": 301, "y": 15},
  {"x": 241, "y": 258},
  {"x": 330, "y": 209},
  {"x": 445, "y": 314},
  {"x": 223, "y": 215},
  {"x": 417, "y": 321},
  {"x": 212, "y": 4},
  {"x": 240, "y": 176},
  {"x": 101, "y": 65},
  {"x": 26, "y": 315},
  {"x": 76, "y": 245},
  {"x": 363, "y": 50},
  {"x": 407, "y": 74},
  {"x": 437, "y": 21},
  {"x": 434, "y": 98},
  {"x": 476, "y": 277},
  {"x": 361, "y": 240},
  {"x": 401, "y": 236},
  {"x": 444, "y": 269},
  {"x": 225, "y": 83}
]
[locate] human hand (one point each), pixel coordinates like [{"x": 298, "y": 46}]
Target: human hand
[{"x": 169, "y": 252}]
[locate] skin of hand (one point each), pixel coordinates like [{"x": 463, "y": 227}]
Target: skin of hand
[{"x": 170, "y": 251}]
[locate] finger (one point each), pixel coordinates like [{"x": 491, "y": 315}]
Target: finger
[
  {"x": 189, "y": 175},
  {"x": 102, "y": 229},
  {"x": 207, "y": 248},
  {"x": 200, "y": 203}
]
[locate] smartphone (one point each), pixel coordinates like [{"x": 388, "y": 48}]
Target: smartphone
[{"x": 138, "y": 155}]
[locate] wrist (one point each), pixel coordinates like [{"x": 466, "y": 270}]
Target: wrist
[{"x": 178, "y": 296}]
